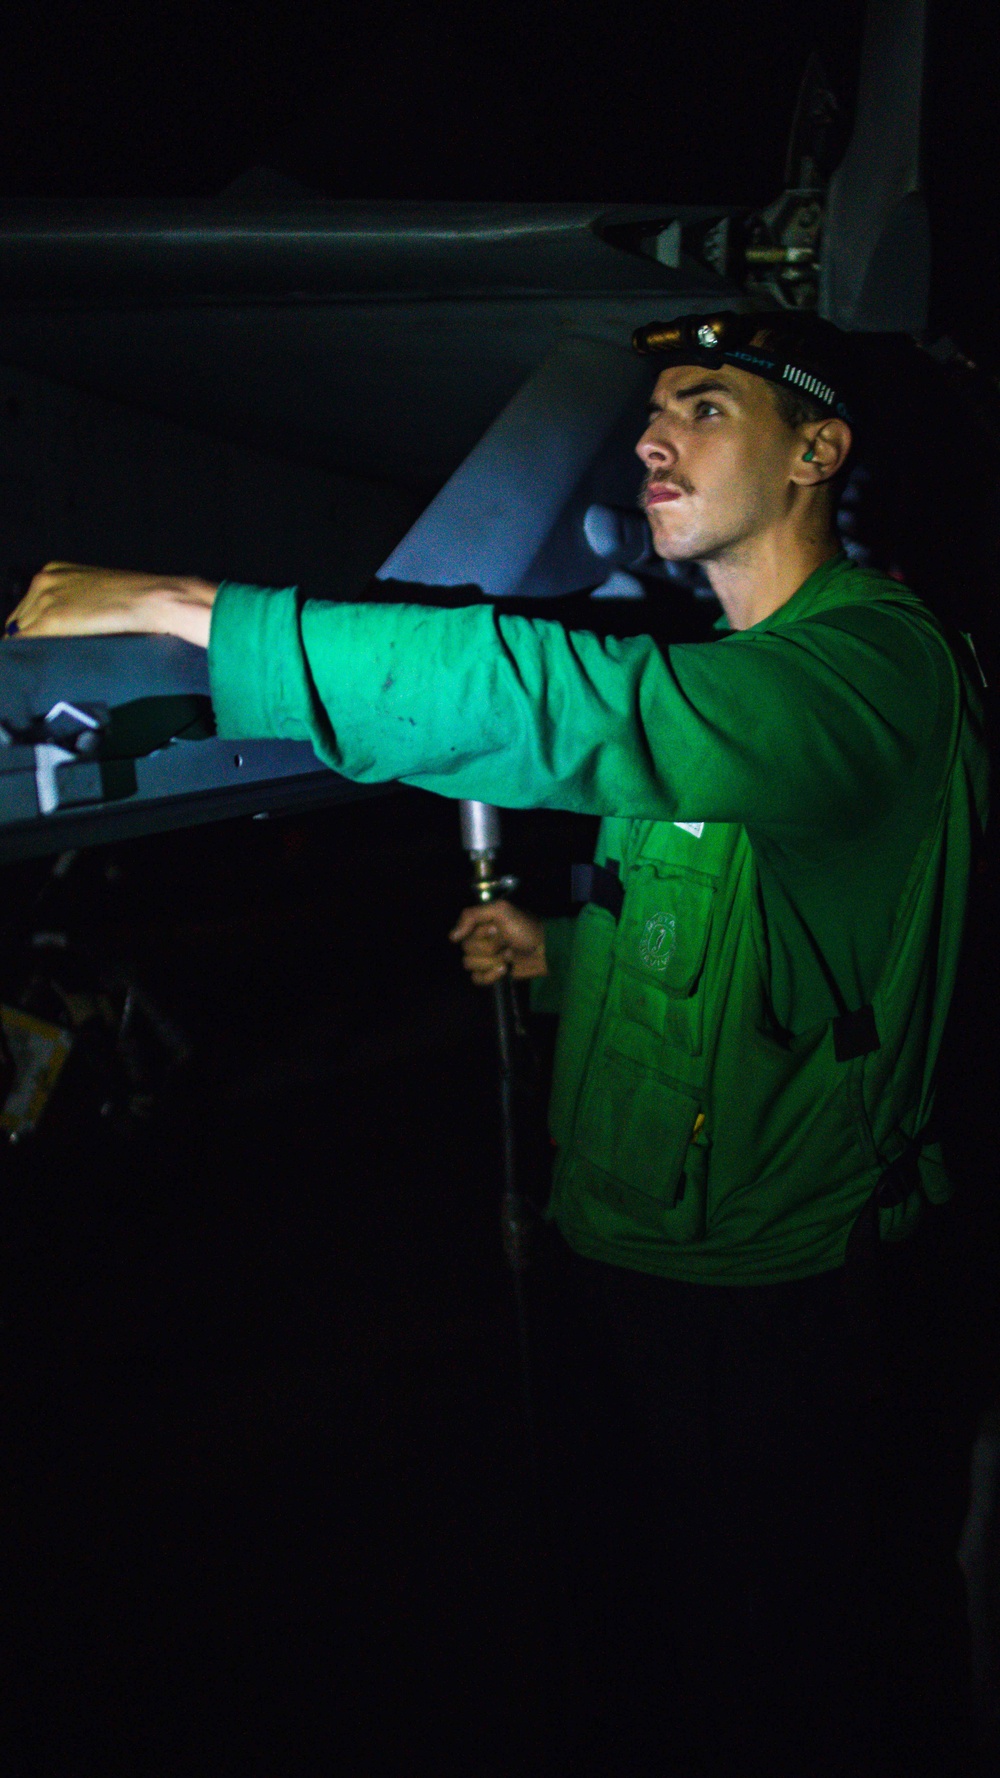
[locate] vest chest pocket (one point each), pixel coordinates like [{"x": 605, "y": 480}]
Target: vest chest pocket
[{"x": 660, "y": 951}]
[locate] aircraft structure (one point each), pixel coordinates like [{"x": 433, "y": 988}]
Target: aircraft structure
[{"x": 357, "y": 397}]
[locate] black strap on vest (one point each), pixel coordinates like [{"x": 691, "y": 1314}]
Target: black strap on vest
[
  {"x": 598, "y": 883},
  {"x": 869, "y": 1335},
  {"x": 855, "y": 1034}
]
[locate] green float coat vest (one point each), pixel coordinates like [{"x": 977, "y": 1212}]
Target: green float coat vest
[
  {"x": 705, "y": 1126},
  {"x": 793, "y": 811}
]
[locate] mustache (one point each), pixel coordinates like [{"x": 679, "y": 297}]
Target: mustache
[{"x": 665, "y": 481}]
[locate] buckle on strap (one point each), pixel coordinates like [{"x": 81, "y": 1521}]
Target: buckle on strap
[{"x": 600, "y": 884}]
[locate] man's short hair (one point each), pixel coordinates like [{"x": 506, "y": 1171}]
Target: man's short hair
[{"x": 795, "y": 407}]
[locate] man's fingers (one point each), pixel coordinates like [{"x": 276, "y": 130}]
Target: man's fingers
[
  {"x": 483, "y": 956},
  {"x": 497, "y": 939},
  {"x": 485, "y": 976},
  {"x": 33, "y": 607},
  {"x": 471, "y": 918},
  {"x": 66, "y": 599}
]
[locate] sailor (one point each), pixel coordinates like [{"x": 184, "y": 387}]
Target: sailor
[{"x": 752, "y": 996}]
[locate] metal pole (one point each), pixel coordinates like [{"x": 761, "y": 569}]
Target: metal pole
[
  {"x": 480, "y": 825},
  {"x": 481, "y": 839}
]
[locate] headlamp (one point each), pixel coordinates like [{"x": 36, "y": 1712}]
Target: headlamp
[{"x": 803, "y": 352}]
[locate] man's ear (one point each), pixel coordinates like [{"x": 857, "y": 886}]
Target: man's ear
[{"x": 824, "y": 448}]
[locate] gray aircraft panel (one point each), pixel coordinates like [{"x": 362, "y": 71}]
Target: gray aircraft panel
[
  {"x": 398, "y": 392},
  {"x": 305, "y": 248}
]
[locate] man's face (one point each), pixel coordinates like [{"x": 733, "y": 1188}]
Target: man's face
[{"x": 718, "y": 459}]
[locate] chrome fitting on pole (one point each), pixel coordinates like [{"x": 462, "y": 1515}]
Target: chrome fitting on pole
[{"x": 480, "y": 823}]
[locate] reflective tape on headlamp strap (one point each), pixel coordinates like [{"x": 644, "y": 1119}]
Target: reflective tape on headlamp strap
[{"x": 811, "y": 384}]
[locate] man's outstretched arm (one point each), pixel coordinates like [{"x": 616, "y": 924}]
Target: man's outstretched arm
[{"x": 767, "y": 729}]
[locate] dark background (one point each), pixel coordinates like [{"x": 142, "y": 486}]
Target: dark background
[
  {"x": 447, "y": 101},
  {"x": 267, "y": 1505},
  {"x": 265, "y": 1487}
]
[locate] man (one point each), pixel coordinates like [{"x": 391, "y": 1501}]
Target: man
[{"x": 753, "y": 995}]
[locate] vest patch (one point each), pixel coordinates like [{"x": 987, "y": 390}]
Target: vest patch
[
  {"x": 695, "y": 827},
  {"x": 658, "y": 940}
]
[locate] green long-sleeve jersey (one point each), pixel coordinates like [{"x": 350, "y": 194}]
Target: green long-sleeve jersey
[{"x": 792, "y": 811}]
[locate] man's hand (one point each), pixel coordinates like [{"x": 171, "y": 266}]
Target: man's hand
[
  {"x": 68, "y": 600},
  {"x": 499, "y": 940}
]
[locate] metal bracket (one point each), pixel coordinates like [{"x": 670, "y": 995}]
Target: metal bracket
[
  {"x": 78, "y": 731},
  {"x": 47, "y": 758}
]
